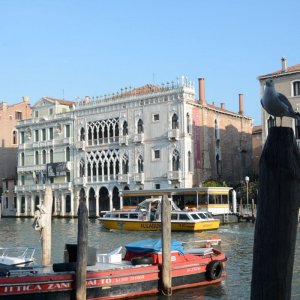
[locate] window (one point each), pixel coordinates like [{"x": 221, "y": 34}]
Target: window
[
  {"x": 51, "y": 133},
  {"x": 22, "y": 137},
  {"x": 296, "y": 88},
  {"x": 36, "y": 135},
  {"x": 6, "y": 202},
  {"x": 44, "y": 134},
  {"x": 188, "y": 121},
  {"x": 44, "y": 157},
  {"x": 18, "y": 115},
  {"x": 36, "y": 157},
  {"x": 15, "y": 135},
  {"x": 22, "y": 180},
  {"x": 68, "y": 154},
  {"x": 175, "y": 161},
  {"x": 156, "y": 154},
  {"x": 68, "y": 204},
  {"x": 140, "y": 165},
  {"x": 175, "y": 124},
  {"x": 68, "y": 176},
  {"x": 51, "y": 111},
  {"x": 157, "y": 186},
  {"x": 15, "y": 202},
  {"x": 82, "y": 134},
  {"x": 189, "y": 161},
  {"x": 156, "y": 117},
  {"x": 67, "y": 131},
  {"x": 51, "y": 156},
  {"x": 36, "y": 114},
  {"x": 22, "y": 159},
  {"x": 125, "y": 128},
  {"x": 297, "y": 129},
  {"x": 140, "y": 127}
]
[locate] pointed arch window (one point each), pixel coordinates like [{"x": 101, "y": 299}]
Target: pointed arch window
[
  {"x": 82, "y": 168},
  {"x": 140, "y": 127},
  {"x": 125, "y": 164},
  {"x": 140, "y": 164},
  {"x": 44, "y": 156},
  {"x": 175, "y": 124},
  {"x": 68, "y": 154},
  {"x": 51, "y": 156},
  {"x": 125, "y": 128},
  {"x": 188, "y": 121},
  {"x": 82, "y": 134},
  {"x": 175, "y": 161},
  {"x": 15, "y": 137}
]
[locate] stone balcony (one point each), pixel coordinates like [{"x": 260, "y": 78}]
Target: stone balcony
[
  {"x": 139, "y": 138},
  {"x": 123, "y": 178},
  {"x": 173, "y": 134},
  {"x": 124, "y": 140},
  {"x": 175, "y": 176},
  {"x": 139, "y": 177}
]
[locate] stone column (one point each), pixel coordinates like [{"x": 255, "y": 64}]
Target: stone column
[
  {"x": 63, "y": 205},
  {"x": 121, "y": 202},
  {"x": 26, "y": 206},
  {"x": 72, "y": 203},
  {"x": 110, "y": 201},
  {"x": 97, "y": 205},
  {"x": 32, "y": 205},
  {"x": 18, "y": 205}
]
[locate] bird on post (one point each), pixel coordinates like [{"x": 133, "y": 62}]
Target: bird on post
[{"x": 276, "y": 104}]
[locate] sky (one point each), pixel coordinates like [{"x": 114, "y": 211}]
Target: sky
[{"x": 75, "y": 48}]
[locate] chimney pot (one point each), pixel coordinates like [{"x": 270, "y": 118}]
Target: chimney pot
[
  {"x": 283, "y": 64},
  {"x": 26, "y": 99},
  {"x": 201, "y": 82},
  {"x": 241, "y": 104},
  {"x": 222, "y": 105}
]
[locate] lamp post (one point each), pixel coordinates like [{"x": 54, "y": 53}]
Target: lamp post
[{"x": 247, "y": 181}]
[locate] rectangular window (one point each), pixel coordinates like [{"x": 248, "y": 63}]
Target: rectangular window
[
  {"x": 36, "y": 114},
  {"x": 51, "y": 133},
  {"x": 51, "y": 111},
  {"x": 68, "y": 177},
  {"x": 44, "y": 134},
  {"x": 157, "y": 186},
  {"x": 22, "y": 137},
  {"x": 36, "y": 135},
  {"x": 6, "y": 203},
  {"x": 18, "y": 115},
  {"x": 15, "y": 202},
  {"x": 156, "y": 154},
  {"x": 296, "y": 86},
  {"x": 155, "y": 117},
  {"x": 67, "y": 131}
]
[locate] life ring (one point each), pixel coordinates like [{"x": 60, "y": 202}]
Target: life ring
[
  {"x": 214, "y": 270},
  {"x": 145, "y": 260}
]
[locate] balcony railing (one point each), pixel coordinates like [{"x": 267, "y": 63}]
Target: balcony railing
[
  {"x": 124, "y": 140},
  {"x": 80, "y": 181},
  {"x": 31, "y": 168},
  {"x": 138, "y": 138},
  {"x": 80, "y": 145},
  {"x": 42, "y": 187},
  {"x": 175, "y": 175},
  {"x": 122, "y": 178},
  {"x": 139, "y": 177},
  {"x": 173, "y": 134}
]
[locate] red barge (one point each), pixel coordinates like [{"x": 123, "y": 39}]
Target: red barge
[{"x": 137, "y": 274}]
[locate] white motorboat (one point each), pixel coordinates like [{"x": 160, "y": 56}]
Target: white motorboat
[{"x": 16, "y": 256}]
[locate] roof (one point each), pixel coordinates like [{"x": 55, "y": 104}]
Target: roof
[
  {"x": 292, "y": 69},
  {"x": 60, "y": 101}
]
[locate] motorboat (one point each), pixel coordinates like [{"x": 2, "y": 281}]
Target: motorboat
[
  {"x": 114, "y": 276},
  {"x": 16, "y": 256},
  {"x": 147, "y": 217}
]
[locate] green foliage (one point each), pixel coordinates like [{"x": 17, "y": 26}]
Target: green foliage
[{"x": 213, "y": 183}]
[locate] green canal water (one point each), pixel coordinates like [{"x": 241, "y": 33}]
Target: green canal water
[{"x": 237, "y": 243}]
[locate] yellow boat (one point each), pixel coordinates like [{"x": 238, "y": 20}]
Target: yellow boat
[{"x": 147, "y": 217}]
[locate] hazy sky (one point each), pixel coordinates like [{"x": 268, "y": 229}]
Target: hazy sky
[{"x": 70, "y": 48}]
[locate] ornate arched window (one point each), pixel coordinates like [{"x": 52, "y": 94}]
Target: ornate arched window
[
  {"x": 175, "y": 161},
  {"x": 125, "y": 164},
  {"x": 140, "y": 127},
  {"x": 175, "y": 124},
  {"x": 140, "y": 164},
  {"x": 82, "y": 134},
  {"x": 125, "y": 128},
  {"x": 81, "y": 168},
  {"x": 44, "y": 156}
]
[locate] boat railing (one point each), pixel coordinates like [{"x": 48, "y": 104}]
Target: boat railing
[{"x": 19, "y": 252}]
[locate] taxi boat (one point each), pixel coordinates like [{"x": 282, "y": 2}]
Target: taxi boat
[
  {"x": 110, "y": 276},
  {"x": 147, "y": 217}
]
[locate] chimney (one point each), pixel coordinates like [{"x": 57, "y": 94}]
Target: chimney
[
  {"x": 26, "y": 99},
  {"x": 222, "y": 105},
  {"x": 201, "y": 82},
  {"x": 241, "y": 104},
  {"x": 283, "y": 64}
]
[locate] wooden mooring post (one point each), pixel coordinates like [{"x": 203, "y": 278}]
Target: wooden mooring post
[
  {"x": 166, "y": 246},
  {"x": 45, "y": 230},
  {"x": 82, "y": 248},
  {"x": 277, "y": 217}
]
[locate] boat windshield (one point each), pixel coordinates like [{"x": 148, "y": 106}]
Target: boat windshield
[
  {"x": 195, "y": 216},
  {"x": 203, "y": 216}
]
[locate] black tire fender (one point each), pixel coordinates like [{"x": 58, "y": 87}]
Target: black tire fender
[
  {"x": 145, "y": 260},
  {"x": 214, "y": 270}
]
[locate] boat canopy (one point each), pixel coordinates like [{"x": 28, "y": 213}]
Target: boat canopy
[
  {"x": 148, "y": 203},
  {"x": 152, "y": 245}
]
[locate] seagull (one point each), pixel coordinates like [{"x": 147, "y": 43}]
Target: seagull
[{"x": 276, "y": 104}]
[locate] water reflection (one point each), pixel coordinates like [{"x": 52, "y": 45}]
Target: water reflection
[{"x": 237, "y": 243}]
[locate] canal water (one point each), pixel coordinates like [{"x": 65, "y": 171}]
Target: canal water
[{"x": 237, "y": 243}]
